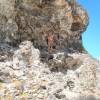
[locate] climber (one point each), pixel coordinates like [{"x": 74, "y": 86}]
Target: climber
[
  {"x": 50, "y": 41},
  {"x": 44, "y": 1},
  {"x": 71, "y": 10},
  {"x": 41, "y": 1},
  {"x": 73, "y": 6}
]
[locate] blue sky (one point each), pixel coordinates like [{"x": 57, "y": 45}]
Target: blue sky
[{"x": 91, "y": 38}]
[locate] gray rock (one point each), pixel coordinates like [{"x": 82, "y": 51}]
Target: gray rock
[
  {"x": 31, "y": 20},
  {"x": 66, "y": 73}
]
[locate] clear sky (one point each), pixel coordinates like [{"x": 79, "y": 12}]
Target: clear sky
[{"x": 91, "y": 38}]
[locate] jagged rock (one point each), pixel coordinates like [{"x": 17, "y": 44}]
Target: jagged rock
[
  {"x": 39, "y": 79},
  {"x": 31, "y": 20},
  {"x": 25, "y": 56},
  {"x": 6, "y": 52},
  {"x": 63, "y": 62},
  {"x": 28, "y": 70},
  {"x": 5, "y": 72},
  {"x": 7, "y": 8}
]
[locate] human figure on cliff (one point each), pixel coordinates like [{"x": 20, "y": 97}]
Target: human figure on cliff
[
  {"x": 50, "y": 41},
  {"x": 44, "y": 1},
  {"x": 73, "y": 6}
]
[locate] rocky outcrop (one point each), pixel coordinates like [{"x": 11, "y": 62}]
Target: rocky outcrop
[
  {"x": 31, "y": 20},
  {"x": 26, "y": 77},
  {"x": 28, "y": 69}
]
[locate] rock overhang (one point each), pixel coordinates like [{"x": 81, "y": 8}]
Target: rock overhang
[{"x": 32, "y": 19}]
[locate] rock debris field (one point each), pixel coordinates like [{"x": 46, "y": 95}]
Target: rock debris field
[{"x": 41, "y": 52}]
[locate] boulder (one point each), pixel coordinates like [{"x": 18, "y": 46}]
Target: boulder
[{"x": 25, "y": 56}]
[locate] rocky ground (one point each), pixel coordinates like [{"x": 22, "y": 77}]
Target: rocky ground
[
  {"x": 28, "y": 71},
  {"x": 26, "y": 77}
]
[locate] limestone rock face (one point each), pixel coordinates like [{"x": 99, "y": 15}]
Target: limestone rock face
[
  {"x": 70, "y": 76},
  {"x": 7, "y": 8},
  {"x": 28, "y": 69},
  {"x": 26, "y": 56},
  {"x": 32, "y": 19}
]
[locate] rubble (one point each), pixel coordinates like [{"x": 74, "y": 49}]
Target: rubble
[{"x": 28, "y": 70}]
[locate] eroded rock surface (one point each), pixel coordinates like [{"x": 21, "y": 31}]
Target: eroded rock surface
[
  {"x": 27, "y": 77},
  {"x": 31, "y": 20},
  {"x": 28, "y": 70}
]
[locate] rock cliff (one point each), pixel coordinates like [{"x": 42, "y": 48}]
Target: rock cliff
[
  {"x": 41, "y": 52},
  {"x": 31, "y": 20}
]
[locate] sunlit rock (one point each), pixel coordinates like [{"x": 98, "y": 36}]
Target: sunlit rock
[{"x": 41, "y": 52}]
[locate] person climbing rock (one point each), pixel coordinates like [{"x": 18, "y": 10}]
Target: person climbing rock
[
  {"x": 50, "y": 41},
  {"x": 69, "y": 12},
  {"x": 72, "y": 3},
  {"x": 71, "y": 9},
  {"x": 45, "y": 1},
  {"x": 61, "y": 3}
]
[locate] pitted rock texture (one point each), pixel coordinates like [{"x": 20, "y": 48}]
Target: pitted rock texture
[
  {"x": 32, "y": 19},
  {"x": 26, "y": 77},
  {"x": 28, "y": 70}
]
